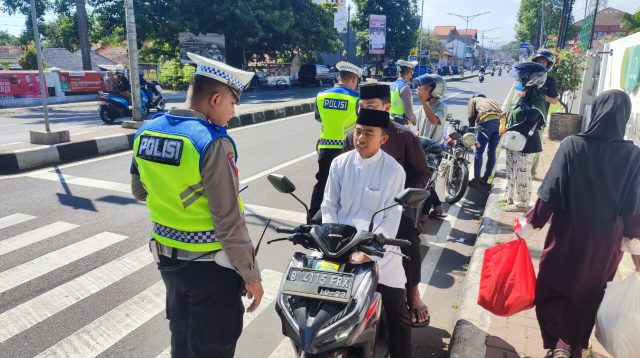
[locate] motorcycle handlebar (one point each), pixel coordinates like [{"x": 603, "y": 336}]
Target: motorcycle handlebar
[
  {"x": 284, "y": 230},
  {"x": 394, "y": 242}
]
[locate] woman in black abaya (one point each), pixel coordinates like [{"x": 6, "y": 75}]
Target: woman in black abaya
[{"x": 592, "y": 196}]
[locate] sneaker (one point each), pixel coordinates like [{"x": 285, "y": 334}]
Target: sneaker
[{"x": 561, "y": 353}]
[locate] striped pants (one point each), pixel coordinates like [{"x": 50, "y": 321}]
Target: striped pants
[{"x": 519, "y": 177}]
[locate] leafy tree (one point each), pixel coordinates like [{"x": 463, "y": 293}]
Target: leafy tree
[
  {"x": 631, "y": 22},
  {"x": 61, "y": 32},
  {"x": 429, "y": 42},
  {"x": 29, "y": 59},
  {"x": 568, "y": 70},
  {"x": 402, "y": 24},
  {"x": 7, "y": 39},
  {"x": 528, "y": 19}
]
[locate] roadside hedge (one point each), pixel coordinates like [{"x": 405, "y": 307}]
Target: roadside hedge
[{"x": 175, "y": 76}]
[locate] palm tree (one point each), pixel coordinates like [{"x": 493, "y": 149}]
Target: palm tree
[{"x": 631, "y": 22}]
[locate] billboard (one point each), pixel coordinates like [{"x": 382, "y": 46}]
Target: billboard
[
  {"x": 377, "y": 34},
  {"x": 209, "y": 45},
  {"x": 82, "y": 81},
  {"x": 19, "y": 85},
  {"x": 340, "y": 19}
]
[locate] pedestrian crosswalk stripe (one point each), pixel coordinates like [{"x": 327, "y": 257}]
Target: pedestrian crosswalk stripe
[
  {"x": 36, "y": 310},
  {"x": 96, "y": 337},
  {"x": 88, "y": 182},
  {"x": 33, "y": 236},
  {"x": 14, "y": 219},
  {"x": 270, "y": 284},
  {"x": 56, "y": 259}
]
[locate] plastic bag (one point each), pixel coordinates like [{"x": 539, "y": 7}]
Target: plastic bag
[
  {"x": 618, "y": 320},
  {"x": 507, "y": 281}
]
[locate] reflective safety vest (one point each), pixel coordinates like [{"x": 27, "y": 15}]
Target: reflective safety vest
[
  {"x": 168, "y": 152},
  {"x": 338, "y": 108},
  {"x": 397, "y": 106}
]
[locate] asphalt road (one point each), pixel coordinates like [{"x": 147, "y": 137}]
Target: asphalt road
[
  {"x": 77, "y": 281},
  {"x": 78, "y": 118}
]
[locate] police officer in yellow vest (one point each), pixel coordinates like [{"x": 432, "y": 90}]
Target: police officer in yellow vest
[
  {"x": 184, "y": 166},
  {"x": 401, "y": 98},
  {"x": 337, "y": 111}
]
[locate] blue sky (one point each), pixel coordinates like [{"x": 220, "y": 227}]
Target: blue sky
[{"x": 502, "y": 16}]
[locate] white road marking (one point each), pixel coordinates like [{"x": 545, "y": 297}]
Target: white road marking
[
  {"x": 277, "y": 167},
  {"x": 70, "y": 179},
  {"x": 13, "y": 143},
  {"x": 36, "y": 310},
  {"x": 284, "y": 350},
  {"x": 79, "y": 133},
  {"x": 278, "y": 214},
  {"x": 435, "y": 251},
  {"x": 96, "y": 337},
  {"x": 33, "y": 236},
  {"x": 268, "y": 122},
  {"x": 44, "y": 264},
  {"x": 14, "y": 219}
]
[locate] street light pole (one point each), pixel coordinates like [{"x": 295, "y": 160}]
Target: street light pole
[
  {"x": 420, "y": 36},
  {"x": 482, "y": 43},
  {"x": 43, "y": 87},
  {"x": 132, "y": 42},
  {"x": 467, "y": 18}
]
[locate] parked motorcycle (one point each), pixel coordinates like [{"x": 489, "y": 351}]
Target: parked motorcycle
[
  {"x": 328, "y": 305},
  {"x": 452, "y": 162},
  {"x": 112, "y": 106},
  {"x": 154, "y": 94}
]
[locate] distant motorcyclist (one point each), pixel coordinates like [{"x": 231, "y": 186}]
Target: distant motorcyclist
[
  {"x": 123, "y": 86},
  {"x": 482, "y": 69}
]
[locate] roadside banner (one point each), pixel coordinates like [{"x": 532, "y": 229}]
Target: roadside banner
[
  {"x": 210, "y": 45},
  {"x": 19, "y": 85},
  {"x": 82, "y": 81},
  {"x": 377, "y": 34}
]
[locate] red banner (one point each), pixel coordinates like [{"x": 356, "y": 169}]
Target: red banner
[
  {"x": 82, "y": 81},
  {"x": 19, "y": 85}
]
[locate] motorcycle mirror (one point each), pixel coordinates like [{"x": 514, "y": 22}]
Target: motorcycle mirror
[
  {"x": 281, "y": 183},
  {"x": 411, "y": 197}
]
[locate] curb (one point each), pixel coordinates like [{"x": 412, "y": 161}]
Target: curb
[
  {"x": 468, "y": 339},
  {"x": 32, "y": 158}
]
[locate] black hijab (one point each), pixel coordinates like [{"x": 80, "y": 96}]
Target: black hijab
[{"x": 595, "y": 175}]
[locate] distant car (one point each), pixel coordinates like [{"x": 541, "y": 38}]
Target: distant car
[
  {"x": 390, "y": 72},
  {"x": 316, "y": 75},
  {"x": 455, "y": 70},
  {"x": 421, "y": 70}
]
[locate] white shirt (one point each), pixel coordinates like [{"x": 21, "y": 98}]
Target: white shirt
[{"x": 357, "y": 188}]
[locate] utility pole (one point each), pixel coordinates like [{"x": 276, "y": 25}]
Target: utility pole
[
  {"x": 348, "y": 29},
  {"x": 567, "y": 5},
  {"x": 482, "y": 33},
  {"x": 541, "y": 36},
  {"x": 593, "y": 26},
  {"x": 43, "y": 87},
  {"x": 420, "y": 36},
  {"x": 132, "y": 42},
  {"x": 466, "y": 18}
]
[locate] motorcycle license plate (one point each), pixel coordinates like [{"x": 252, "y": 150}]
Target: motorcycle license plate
[{"x": 329, "y": 286}]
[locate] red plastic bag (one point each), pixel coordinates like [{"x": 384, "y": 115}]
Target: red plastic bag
[{"x": 507, "y": 281}]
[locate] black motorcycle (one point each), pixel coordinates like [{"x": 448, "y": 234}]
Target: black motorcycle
[
  {"x": 452, "y": 163},
  {"x": 328, "y": 305}
]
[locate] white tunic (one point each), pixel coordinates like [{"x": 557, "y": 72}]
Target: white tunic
[{"x": 358, "y": 187}]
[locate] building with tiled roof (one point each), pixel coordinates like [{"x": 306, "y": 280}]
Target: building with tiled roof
[
  {"x": 608, "y": 22},
  {"x": 72, "y": 61}
]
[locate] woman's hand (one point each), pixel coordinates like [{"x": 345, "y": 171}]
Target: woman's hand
[{"x": 359, "y": 257}]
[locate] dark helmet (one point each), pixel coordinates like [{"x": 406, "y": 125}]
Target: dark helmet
[
  {"x": 436, "y": 82},
  {"x": 551, "y": 59},
  {"x": 478, "y": 95},
  {"x": 531, "y": 74}
]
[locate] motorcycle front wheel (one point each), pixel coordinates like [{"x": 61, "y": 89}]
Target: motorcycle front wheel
[
  {"x": 456, "y": 182},
  {"x": 108, "y": 115}
]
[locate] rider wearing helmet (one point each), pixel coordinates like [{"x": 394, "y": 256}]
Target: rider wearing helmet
[
  {"x": 484, "y": 112},
  {"x": 431, "y": 124},
  {"x": 546, "y": 58},
  {"x": 525, "y": 118},
  {"x": 122, "y": 87}
]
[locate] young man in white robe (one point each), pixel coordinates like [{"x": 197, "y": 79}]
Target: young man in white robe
[{"x": 361, "y": 182}]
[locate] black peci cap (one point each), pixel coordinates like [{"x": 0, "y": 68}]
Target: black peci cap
[
  {"x": 374, "y": 90},
  {"x": 373, "y": 118}
]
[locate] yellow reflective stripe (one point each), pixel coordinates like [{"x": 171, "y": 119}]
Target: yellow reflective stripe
[
  {"x": 486, "y": 116},
  {"x": 192, "y": 199},
  {"x": 185, "y": 194},
  {"x": 213, "y": 246}
]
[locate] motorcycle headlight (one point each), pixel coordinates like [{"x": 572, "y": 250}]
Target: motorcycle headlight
[{"x": 469, "y": 140}]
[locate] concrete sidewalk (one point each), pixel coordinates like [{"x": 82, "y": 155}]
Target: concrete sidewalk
[
  {"x": 478, "y": 333},
  {"x": 25, "y": 156}
]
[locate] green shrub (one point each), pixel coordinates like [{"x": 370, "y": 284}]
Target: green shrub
[{"x": 175, "y": 76}]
